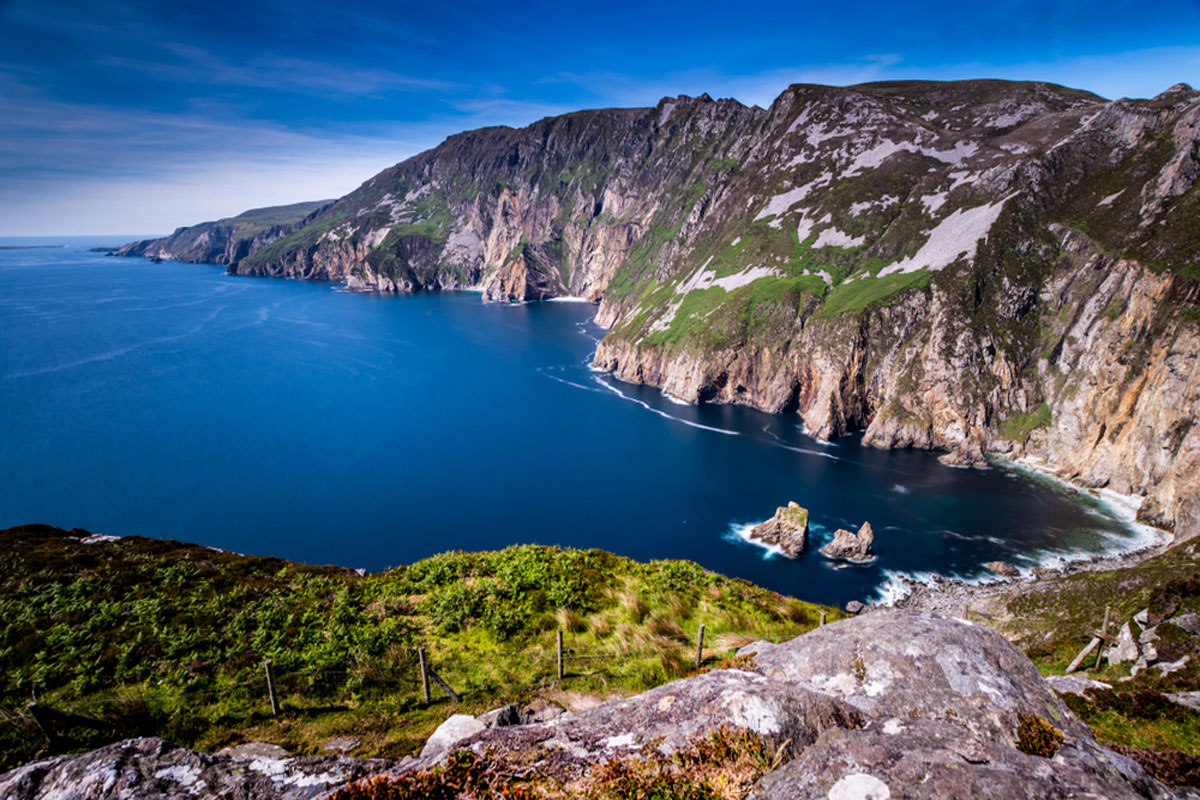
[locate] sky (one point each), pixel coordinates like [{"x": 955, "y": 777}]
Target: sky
[{"x": 136, "y": 117}]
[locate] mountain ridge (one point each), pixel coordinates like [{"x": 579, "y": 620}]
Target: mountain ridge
[{"x": 970, "y": 266}]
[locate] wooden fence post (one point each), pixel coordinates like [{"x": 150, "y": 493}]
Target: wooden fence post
[
  {"x": 560, "y": 654},
  {"x": 270, "y": 670},
  {"x": 44, "y": 724},
  {"x": 445, "y": 686},
  {"x": 424, "y": 674},
  {"x": 822, "y": 617},
  {"x": 700, "y": 646}
]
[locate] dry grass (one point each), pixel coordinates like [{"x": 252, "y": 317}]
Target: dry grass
[
  {"x": 734, "y": 641},
  {"x": 634, "y": 605},
  {"x": 601, "y": 627},
  {"x": 664, "y": 626},
  {"x": 571, "y": 621},
  {"x": 790, "y": 611}
]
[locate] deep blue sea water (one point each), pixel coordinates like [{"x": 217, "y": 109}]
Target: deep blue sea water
[{"x": 291, "y": 419}]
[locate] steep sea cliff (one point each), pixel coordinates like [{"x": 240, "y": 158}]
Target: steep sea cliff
[{"x": 976, "y": 267}]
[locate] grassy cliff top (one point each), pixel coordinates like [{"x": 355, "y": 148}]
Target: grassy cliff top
[{"x": 165, "y": 638}]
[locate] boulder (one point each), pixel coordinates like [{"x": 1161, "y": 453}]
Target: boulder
[
  {"x": 934, "y": 760},
  {"x": 1003, "y": 569},
  {"x": 456, "y": 728},
  {"x": 1125, "y": 649},
  {"x": 852, "y": 546},
  {"x": 788, "y": 530},
  {"x": 152, "y": 768},
  {"x": 669, "y": 717},
  {"x": 855, "y": 607},
  {"x": 1076, "y": 683}
]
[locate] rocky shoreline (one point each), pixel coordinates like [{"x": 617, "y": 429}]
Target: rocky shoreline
[{"x": 956, "y": 598}]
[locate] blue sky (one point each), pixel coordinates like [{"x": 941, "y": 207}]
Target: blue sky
[{"x": 136, "y": 117}]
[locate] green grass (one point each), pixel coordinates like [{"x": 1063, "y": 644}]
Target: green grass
[
  {"x": 256, "y": 220},
  {"x": 857, "y": 295},
  {"x": 1018, "y": 427},
  {"x": 162, "y": 638}
]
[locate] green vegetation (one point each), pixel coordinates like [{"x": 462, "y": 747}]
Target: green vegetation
[
  {"x": 1037, "y": 737},
  {"x": 856, "y": 295},
  {"x": 160, "y": 638},
  {"x": 1018, "y": 427},
  {"x": 1114, "y": 309},
  {"x": 257, "y": 220}
]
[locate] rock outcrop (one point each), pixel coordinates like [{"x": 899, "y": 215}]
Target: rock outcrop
[
  {"x": 787, "y": 530},
  {"x": 889, "y": 704},
  {"x": 152, "y": 768},
  {"x": 1003, "y": 569},
  {"x": 857, "y": 547}
]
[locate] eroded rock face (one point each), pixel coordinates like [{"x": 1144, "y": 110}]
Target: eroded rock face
[
  {"x": 788, "y": 529},
  {"x": 852, "y": 546},
  {"x": 152, "y": 768}
]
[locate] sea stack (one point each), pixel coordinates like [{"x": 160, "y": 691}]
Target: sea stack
[
  {"x": 852, "y": 546},
  {"x": 788, "y": 529}
]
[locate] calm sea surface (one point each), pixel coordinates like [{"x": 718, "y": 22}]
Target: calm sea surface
[{"x": 288, "y": 418}]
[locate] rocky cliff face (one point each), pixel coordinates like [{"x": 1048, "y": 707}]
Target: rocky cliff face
[
  {"x": 227, "y": 241},
  {"x": 892, "y": 704},
  {"x": 978, "y": 266}
]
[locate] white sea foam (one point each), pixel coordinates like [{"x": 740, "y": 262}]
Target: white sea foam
[
  {"x": 899, "y": 488},
  {"x": 567, "y": 300},
  {"x": 740, "y": 532},
  {"x": 661, "y": 413}
]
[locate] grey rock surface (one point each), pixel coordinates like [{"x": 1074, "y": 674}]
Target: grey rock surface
[
  {"x": 935, "y": 760},
  {"x": 1076, "y": 683},
  {"x": 456, "y": 728},
  {"x": 152, "y": 768},
  {"x": 1125, "y": 649}
]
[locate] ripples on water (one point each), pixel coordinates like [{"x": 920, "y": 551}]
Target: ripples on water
[{"x": 291, "y": 419}]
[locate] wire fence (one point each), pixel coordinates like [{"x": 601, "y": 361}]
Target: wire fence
[{"x": 423, "y": 679}]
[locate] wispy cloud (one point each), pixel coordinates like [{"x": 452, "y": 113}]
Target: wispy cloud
[{"x": 187, "y": 63}]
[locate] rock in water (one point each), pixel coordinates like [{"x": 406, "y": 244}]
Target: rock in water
[
  {"x": 852, "y": 546},
  {"x": 788, "y": 529},
  {"x": 1003, "y": 569}
]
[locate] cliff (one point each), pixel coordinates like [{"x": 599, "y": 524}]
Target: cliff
[
  {"x": 975, "y": 266},
  {"x": 227, "y": 241}
]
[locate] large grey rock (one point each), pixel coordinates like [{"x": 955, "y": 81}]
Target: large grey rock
[
  {"x": 788, "y": 529},
  {"x": 935, "y": 760},
  {"x": 456, "y": 728},
  {"x": 852, "y": 546},
  {"x": 670, "y": 716},
  {"x": 910, "y": 666},
  {"x": 152, "y": 768}
]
